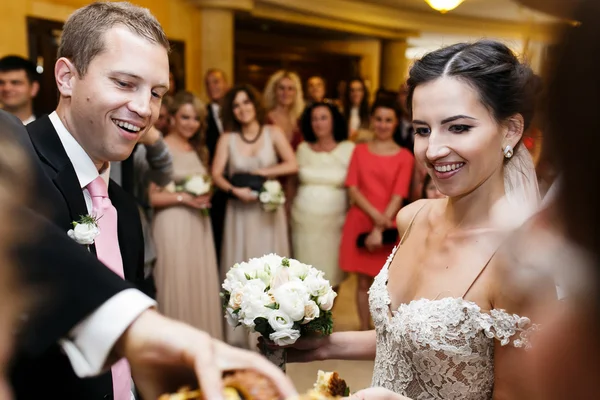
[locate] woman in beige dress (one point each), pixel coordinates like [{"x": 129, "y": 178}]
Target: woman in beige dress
[
  {"x": 248, "y": 147},
  {"x": 321, "y": 200},
  {"x": 187, "y": 276}
]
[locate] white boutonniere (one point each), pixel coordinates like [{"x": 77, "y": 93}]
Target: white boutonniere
[{"x": 85, "y": 230}]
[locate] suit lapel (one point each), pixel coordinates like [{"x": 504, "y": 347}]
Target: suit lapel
[{"x": 52, "y": 153}]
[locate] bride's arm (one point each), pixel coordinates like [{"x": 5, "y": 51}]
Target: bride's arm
[
  {"x": 521, "y": 288},
  {"x": 358, "y": 345}
]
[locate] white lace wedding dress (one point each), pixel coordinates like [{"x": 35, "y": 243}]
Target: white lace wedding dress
[{"x": 439, "y": 349}]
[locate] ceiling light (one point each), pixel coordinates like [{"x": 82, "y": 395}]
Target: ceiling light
[{"x": 444, "y": 6}]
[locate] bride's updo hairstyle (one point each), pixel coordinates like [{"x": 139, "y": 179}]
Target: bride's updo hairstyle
[{"x": 505, "y": 85}]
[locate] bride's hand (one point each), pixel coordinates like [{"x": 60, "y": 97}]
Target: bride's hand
[
  {"x": 304, "y": 350},
  {"x": 377, "y": 393}
]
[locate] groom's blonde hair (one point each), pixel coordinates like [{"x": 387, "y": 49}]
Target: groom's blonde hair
[{"x": 83, "y": 33}]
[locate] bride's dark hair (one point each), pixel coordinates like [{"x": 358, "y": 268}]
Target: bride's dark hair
[{"x": 505, "y": 85}]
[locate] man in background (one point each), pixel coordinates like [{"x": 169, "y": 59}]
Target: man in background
[{"x": 19, "y": 84}]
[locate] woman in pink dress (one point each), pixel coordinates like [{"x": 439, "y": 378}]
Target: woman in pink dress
[{"x": 378, "y": 181}]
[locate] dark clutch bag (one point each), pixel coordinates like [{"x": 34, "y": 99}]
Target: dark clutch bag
[
  {"x": 254, "y": 182},
  {"x": 390, "y": 236}
]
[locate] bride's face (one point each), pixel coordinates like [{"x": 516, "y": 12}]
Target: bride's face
[{"x": 456, "y": 137}]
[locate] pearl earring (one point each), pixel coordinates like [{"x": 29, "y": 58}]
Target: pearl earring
[{"x": 508, "y": 151}]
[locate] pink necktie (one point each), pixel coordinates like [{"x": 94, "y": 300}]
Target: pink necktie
[{"x": 108, "y": 251}]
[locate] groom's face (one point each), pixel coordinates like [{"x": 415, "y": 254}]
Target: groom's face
[{"x": 119, "y": 97}]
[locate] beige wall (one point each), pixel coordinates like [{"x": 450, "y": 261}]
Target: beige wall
[{"x": 179, "y": 18}]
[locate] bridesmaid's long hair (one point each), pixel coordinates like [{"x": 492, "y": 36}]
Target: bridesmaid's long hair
[
  {"x": 198, "y": 141},
  {"x": 363, "y": 107}
]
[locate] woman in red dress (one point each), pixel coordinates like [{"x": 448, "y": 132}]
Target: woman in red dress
[{"x": 378, "y": 181}]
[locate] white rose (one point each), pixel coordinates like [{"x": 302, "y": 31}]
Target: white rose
[
  {"x": 272, "y": 186},
  {"x": 254, "y": 302},
  {"x": 298, "y": 269},
  {"x": 311, "y": 311},
  {"x": 285, "y": 337},
  {"x": 264, "y": 197},
  {"x": 254, "y": 308},
  {"x": 280, "y": 321},
  {"x": 264, "y": 276},
  {"x": 316, "y": 285},
  {"x": 291, "y": 298},
  {"x": 234, "y": 277},
  {"x": 84, "y": 233},
  {"x": 272, "y": 262},
  {"x": 253, "y": 267},
  {"x": 197, "y": 185},
  {"x": 235, "y": 299},
  {"x": 326, "y": 301}
]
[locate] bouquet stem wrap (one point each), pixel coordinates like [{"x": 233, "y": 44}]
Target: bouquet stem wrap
[{"x": 277, "y": 356}]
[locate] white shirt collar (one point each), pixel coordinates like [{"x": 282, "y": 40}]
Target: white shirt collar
[
  {"x": 216, "y": 108},
  {"x": 29, "y": 120},
  {"x": 82, "y": 163}
]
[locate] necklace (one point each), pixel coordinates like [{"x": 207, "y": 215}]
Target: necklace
[{"x": 251, "y": 141}]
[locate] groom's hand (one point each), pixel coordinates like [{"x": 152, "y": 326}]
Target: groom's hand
[{"x": 166, "y": 354}]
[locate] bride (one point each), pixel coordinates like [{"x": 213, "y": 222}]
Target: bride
[{"x": 444, "y": 326}]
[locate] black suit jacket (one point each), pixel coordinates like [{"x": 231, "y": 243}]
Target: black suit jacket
[
  {"x": 41, "y": 369},
  {"x": 212, "y": 131}
]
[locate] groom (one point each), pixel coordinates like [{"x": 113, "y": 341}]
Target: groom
[{"x": 112, "y": 72}]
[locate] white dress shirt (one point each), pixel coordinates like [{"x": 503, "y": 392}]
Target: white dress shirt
[
  {"x": 216, "y": 109},
  {"x": 90, "y": 342},
  {"x": 29, "y": 120}
]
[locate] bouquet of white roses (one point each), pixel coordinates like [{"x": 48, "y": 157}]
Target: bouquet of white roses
[
  {"x": 280, "y": 298},
  {"x": 271, "y": 195},
  {"x": 196, "y": 185}
]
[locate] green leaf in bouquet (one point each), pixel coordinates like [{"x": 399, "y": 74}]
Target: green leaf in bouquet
[
  {"x": 273, "y": 306},
  {"x": 247, "y": 276},
  {"x": 322, "y": 326},
  {"x": 225, "y": 299},
  {"x": 262, "y": 326},
  {"x": 347, "y": 391},
  {"x": 285, "y": 262}
]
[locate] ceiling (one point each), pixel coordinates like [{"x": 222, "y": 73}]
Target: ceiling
[{"x": 505, "y": 10}]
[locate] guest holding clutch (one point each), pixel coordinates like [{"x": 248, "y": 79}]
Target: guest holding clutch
[
  {"x": 249, "y": 153},
  {"x": 378, "y": 181}
]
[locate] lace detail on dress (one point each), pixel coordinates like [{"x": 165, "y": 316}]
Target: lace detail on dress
[{"x": 439, "y": 349}]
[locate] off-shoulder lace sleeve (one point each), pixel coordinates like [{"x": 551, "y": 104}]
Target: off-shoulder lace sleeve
[{"x": 500, "y": 325}]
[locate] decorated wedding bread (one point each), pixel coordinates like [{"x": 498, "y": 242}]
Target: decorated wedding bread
[
  {"x": 250, "y": 385},
  {"x": 329, "y": 386}
]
